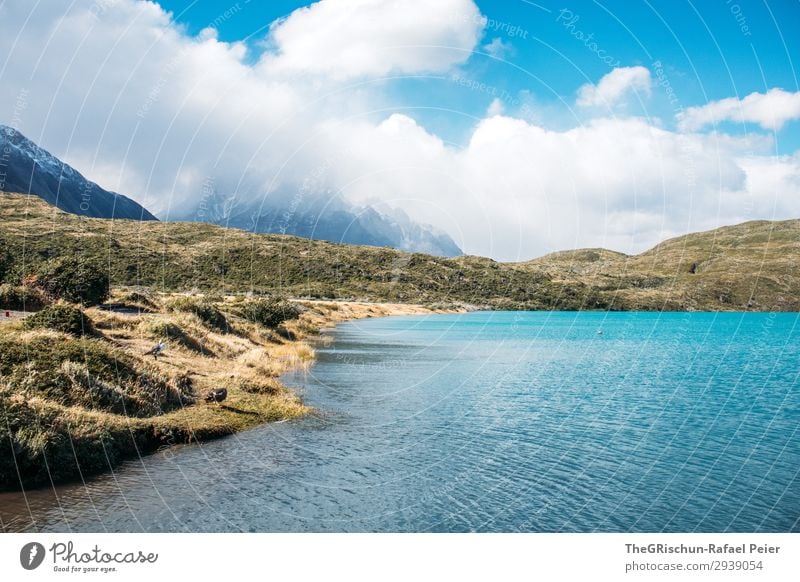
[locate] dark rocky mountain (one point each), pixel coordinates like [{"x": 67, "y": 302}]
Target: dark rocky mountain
[{"x": 26, "y": 168}]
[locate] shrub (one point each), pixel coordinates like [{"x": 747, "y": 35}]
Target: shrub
[
  {"x": 285, "y": 333},
  {"x": 61, "y": 317},
  {"x": 75, "y": 280},
  {"x": 21, "y": 298},
  {"x": 206, "y": 311},
  {"x": 140, "y": 298},
  {"x": 269, "y": 312},
  {"x": 5, "y": 262}
]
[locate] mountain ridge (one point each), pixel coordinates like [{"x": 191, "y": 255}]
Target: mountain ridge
[
  {"x": 325, "y": 216},
  {"x": 27, "y": 168}
]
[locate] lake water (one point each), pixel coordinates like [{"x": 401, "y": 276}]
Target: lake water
[{"x": 498, "y": 421}]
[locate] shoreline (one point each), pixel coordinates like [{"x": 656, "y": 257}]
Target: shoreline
[{"x": 246, "y": 359}]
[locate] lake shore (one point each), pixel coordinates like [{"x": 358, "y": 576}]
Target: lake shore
[
  {"x": 64, "y": 441},
  {"x": 473, "y": 422}
]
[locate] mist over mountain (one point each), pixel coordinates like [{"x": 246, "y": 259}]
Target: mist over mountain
[
  {"x": 324, "y": 216},
  {"x": 29, "y": 169}
]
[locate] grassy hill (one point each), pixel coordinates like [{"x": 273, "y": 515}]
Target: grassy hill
[
  {"x": 175, "y": 256},
  {"x": 748, "y": 266}
]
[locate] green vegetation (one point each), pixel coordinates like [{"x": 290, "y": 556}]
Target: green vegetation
[
  {"x": 749, "y": 266},
  {"x": 260, "y": 386},
  {"x": 143, "y": 300},
  {"x": 72, "y": 278},
  {"x": 5, "y": 261},
  {"x": 203, "y": 309},
  {"x": 75, "y": 402},
  {"x": 68, "y": 406},
  {"x": 61, "y": 317},
  {"x": 86, "y": 372},
  {"x": 178, "y": 257},
  {"x": 269, "y": 312},
  {"x": 21, "y": 298}
]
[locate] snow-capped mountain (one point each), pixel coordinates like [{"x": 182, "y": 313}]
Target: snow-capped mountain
[
  {"x": 29, "y": 169},
  {"x": 25, "y": 167},
  {"x": 325, "y": 216}
]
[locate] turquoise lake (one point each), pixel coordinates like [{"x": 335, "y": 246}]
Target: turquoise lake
[{"x": 492, "y": 421}]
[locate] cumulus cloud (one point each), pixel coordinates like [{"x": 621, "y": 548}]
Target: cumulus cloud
[
  {"x": 353, "y": 38},
  {"x": 770, "y": 110},
  {"x": 614, "y": 86},
  {"x": 519, "y": 189},
  {"x": 122, "y": 93}
]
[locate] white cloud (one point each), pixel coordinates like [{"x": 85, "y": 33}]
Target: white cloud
[
  {"x": 499, "y": 49},
  {"x": 496, "y": 107},
  {"x": 353, "y": 38},
  {"x": 136, "y": 104},
  {"x": 614, "y": 86},
  {"x": 770, "y": 110},
  {"x": 519, "y": 190}
]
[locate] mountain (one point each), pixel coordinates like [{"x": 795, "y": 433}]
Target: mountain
[
  {"x": 328, "y": 217},
  {"x": 27, "y": 168},
  {"x": 747, "y": 267}
]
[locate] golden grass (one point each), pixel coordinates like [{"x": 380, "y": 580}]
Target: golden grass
[{"x": 247, "y": 360}]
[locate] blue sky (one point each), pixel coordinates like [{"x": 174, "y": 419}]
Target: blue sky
[{"x": 710, "y": 51}]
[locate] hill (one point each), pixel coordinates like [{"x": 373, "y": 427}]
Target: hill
[
  {"x": 748, "y": 266},
  {"x": 181, "y": 256}
]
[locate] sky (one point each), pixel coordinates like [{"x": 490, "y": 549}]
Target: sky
[{"x": 518, "y": 127}]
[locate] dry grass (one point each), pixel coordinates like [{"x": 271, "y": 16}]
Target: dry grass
[{"x": 247, "y": 359}]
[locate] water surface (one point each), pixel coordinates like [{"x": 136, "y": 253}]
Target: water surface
[{"x": 499, "y": 421}]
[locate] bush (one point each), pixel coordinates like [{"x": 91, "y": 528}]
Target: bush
[
  {"x": 5, "y": 262},
  {"x": 73, "y": 279},
  {"x": 61, "y": 317},
  {"x": 269, "y": 312},
  {"x": 206, "y": 311},
  {"x": 285, "y": 333},
  {"x": 141, "y": 299},
  {"x": 21, "y": 298}
]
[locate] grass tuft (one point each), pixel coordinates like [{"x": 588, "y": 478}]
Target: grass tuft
[{"x": 63, "y": 318}]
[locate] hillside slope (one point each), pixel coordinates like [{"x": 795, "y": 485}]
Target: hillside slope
[
  {"x": 754, "y": 265},
  {"x": 750, "y": 266},
  {"x": 180, "y": 256},
  {"x": 27, "y": 168}
]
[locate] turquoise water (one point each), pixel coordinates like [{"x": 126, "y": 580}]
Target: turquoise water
[{"x": 500, "y": 421}]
